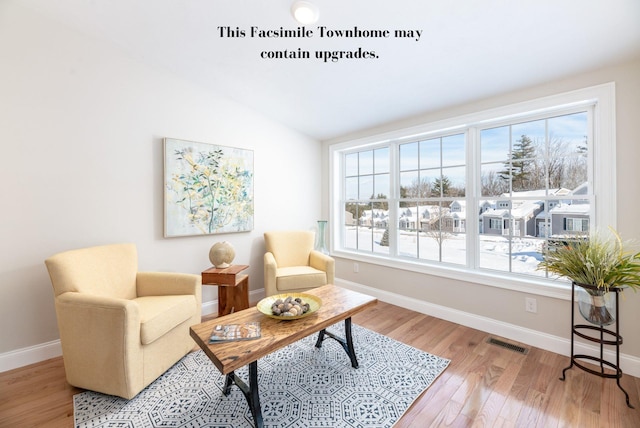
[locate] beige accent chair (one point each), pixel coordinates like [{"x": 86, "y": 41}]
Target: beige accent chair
[
  {"x": 120, "y": 329},
  {"x": 292, "y": 265}
]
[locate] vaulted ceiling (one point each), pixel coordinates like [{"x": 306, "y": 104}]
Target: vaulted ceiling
[{"x": 466, "y": 50}]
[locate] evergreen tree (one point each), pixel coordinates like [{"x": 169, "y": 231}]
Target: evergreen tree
[
  {"x": 441, "y": 187},
  {"x": 385, "y": 238},
  {"x": 519, "y": 168}
]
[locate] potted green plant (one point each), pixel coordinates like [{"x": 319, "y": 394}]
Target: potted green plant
[{"x": 596, "y": 264}]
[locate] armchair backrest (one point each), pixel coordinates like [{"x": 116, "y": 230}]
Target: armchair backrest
[
  {"x": 290, "y": 248},
  {"x": 107, "y": 270}
]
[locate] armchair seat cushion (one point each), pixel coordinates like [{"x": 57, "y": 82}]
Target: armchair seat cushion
[
  {"x": 160, "y": 314},
  {"x": 296, "y": 277}
]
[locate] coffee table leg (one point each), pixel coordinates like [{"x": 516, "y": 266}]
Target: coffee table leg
[
  {"x": 250, "y": 391},
  {"x": 320, "y": 338},
  {"x": 228, "y": 381},
  {"x": 350, "y": 349},
  {"x": 347, "y": 344}
]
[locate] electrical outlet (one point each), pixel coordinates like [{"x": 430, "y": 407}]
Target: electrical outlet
[
  {"x": 356, "y": 268},
  {"x": 531, "y": 305}
]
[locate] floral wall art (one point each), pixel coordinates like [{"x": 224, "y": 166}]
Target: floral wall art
[{"x": 208, "y": 189}]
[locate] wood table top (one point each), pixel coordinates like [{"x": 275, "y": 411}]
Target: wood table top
[{"x": 338, "y": 304}]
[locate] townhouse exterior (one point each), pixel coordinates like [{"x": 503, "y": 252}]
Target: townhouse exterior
[{"x": 536, "y": 213}]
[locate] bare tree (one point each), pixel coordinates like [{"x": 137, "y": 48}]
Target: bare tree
[
  {"x": 439, "y": 235},
  {"x": 492, "y": 184},
  {"x": 419, "y": 188},
  {"x": 564, "y": 168}
]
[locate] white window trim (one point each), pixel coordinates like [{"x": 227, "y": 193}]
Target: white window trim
[{"x": 603, "y": 180}]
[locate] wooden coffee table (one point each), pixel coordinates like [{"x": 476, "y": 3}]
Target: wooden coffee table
[{"x": 338, "y": 304}]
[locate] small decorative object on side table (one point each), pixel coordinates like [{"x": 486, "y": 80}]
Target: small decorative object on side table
[
  {"x": 222, "y": 254},
  {"x": 233, "y": 287}
]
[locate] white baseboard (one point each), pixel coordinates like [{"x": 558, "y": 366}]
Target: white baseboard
[
  {"x": 559, "y": 345},
  {"x": 44, "y": 351},
  {"x": 628, "y": 363},
  {"x": 30, "y": 355}
]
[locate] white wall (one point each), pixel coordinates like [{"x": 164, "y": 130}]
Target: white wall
[
  {"x": 81, "y": 164},
  {"x": 504, "y": 310}
]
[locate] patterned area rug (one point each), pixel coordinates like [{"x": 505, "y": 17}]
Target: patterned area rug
[{"x": 300, "y": 386}]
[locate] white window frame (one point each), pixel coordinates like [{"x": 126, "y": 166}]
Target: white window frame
[{"x": 602, "y": 157}]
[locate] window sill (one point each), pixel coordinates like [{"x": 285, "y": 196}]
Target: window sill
[{"x": 558, "y": 289}]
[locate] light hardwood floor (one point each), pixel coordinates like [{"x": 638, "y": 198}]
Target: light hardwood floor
[{"x": 484, "y": 386}]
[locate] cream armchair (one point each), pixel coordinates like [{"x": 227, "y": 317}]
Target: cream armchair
[
  {"x": 120, "y": 329},
  {"x": 292, "y": 265}
]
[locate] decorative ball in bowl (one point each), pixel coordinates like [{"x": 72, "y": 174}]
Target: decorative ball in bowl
[{"x": 289, "y": 306}]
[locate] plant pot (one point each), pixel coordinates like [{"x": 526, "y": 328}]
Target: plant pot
[{"x": 596, "y": 305}]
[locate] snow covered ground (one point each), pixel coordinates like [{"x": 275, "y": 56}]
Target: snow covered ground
[{"x": 521, "y": 255}]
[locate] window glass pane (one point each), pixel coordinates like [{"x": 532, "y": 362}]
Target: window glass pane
[
  {"x": 525, "y": 170},
  {"x": 454, "y": 248},
  {"x": 430, "y": 221},
  {"x": 453, "y": 150},
  {"x": 409, "y": 184},
  {"x": 492, "y": 182},
  {"x": 365, "y": 163},
  {"x": 454, "y": 243},
  {"x": 566, "y": 170},
  {"x": 567, "y": 151},
  {"x": 525, "y": 255},
  {"x": 351, "y": 216},
  {"x": 365, "y": 235},
  {"x": 494, "y": 252},
  {"x": 408, "y": 230},
  {"x": 366, "y": 187},
  {"x": 453, "y": 181},
  {"x": 351, "y": 164},
  {"x": 408, "y": 156},
  {"x": 381, "y": 160},
  {"x": 430, "y": 180},
  {"x": 351, "y": 188},
  {"x": 381, "y": 228},
  {"x": 534, "y": 131},
  {"x": 571, "y": 130},
  {"x": 430, "y": 153},
  {"x": 381, "y": 185},
  {"x": 494, "y": 144}
]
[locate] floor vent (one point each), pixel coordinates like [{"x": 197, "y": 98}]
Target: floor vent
[{"x": 509, "y": 346}]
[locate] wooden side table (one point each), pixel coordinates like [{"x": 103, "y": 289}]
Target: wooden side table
[{"x": 233, "y": 287}]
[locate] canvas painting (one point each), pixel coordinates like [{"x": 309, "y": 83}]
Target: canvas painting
[{"x": 208, "y": 189}]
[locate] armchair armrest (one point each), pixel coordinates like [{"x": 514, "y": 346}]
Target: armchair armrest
[
  {"x": 100, "y": 338},
  {"x": 324, "y": 263},
  {"x": 270, "y": 269},
  {"x": 98, "y": 318},
  {"x": 168, "y": 283}
]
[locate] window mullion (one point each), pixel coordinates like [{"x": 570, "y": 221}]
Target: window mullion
[
  {"x": 473, "y": 196},
  {"x": 394, "y": 166}
]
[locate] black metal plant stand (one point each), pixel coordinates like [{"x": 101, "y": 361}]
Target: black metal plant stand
[{"x": 613, "y": 338}]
